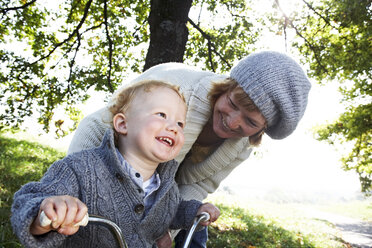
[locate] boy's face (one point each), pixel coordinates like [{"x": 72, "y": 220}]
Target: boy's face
[{"x": 154, "y": 126}]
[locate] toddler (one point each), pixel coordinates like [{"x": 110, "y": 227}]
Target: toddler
[{"x": 128, "y": 179}]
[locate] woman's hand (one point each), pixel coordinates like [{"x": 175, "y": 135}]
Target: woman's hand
[
  {"x": 64, "y": 212},
  {"x": 212, "y": 210}
]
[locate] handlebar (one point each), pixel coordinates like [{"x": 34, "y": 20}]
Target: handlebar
[
  {"x": 203, "y": 217},
  {"x": 45, "y": 221}
]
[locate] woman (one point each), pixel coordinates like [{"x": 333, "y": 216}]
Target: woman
[{"x": 266, "y": 92}]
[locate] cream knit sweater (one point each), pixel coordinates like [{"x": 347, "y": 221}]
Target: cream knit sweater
[{"x": 195, "y": 180}]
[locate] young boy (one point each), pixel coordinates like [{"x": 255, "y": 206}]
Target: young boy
[{"x": 127, "y": 179}]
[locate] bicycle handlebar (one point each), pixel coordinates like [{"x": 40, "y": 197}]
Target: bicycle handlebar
[
  {"x": 45, "y": 221},
  {"x": 204, "y": 216}
]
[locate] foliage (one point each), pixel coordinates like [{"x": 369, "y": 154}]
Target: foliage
[
  {"x": 62, "y": 50},
  {"x": 354, "y": 125},
  {"x": 20, "y": 162},
  {"x": 67, "y": 48},
  {"x": 334, "y": 39},
  {"x": 52, "y": 54},
  {"x": 222, "y": 33}
]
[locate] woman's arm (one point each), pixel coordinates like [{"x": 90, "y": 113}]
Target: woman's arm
[
  {"x": 91, "y": 130},
  {"x": 196, "y": 181}
]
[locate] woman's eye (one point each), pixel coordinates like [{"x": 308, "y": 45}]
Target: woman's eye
[
  {"x": 232, "y": 104},
  {"x": 162, "y": 114},
  {"x": 251, "y": 123},
  {"x": 180, "y": 124}
]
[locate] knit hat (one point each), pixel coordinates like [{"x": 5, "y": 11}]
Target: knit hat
[{"x": 279, "y": 88}]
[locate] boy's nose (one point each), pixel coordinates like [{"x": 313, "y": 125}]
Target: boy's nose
[{"x": 172, "y": 126}]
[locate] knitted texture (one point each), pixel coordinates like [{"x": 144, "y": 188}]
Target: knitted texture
[
  {"x": 97, "y": 178},
  {"x": 279, "y": 88},
  {"x": 198, "y": 180}
]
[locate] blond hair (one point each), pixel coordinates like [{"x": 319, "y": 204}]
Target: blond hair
[
  {"x": 230, "y": 85},
  {"x": 122, "y": 100}
]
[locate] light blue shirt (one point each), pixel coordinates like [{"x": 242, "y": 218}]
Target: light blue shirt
[{"x": 149, "y": 187}]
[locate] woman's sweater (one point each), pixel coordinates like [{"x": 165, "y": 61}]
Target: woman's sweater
[
  {"x": 98, "y": 179},
  {"x": 195, "y": 180}
]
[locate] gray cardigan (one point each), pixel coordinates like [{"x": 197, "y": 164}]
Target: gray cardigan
[
  {"x": 97, "y": 178},
  {"x": 195, "y": 180}
]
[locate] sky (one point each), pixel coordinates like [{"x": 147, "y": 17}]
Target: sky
[{"x": 297, "y": 163}]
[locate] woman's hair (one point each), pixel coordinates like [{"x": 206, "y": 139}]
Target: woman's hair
[
  {"x": 230, "y": 85},
  {"x": 122, "y": 100}
]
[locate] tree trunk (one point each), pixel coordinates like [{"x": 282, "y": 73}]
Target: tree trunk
[{"x": 168, "y": 31}]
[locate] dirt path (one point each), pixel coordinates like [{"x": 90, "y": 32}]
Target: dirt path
[{"x": 353, "y": 231}]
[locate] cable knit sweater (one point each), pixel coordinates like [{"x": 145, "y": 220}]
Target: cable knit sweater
[
  {"x": 98, "y": 179},
  {"x": 195, "y": 180}
]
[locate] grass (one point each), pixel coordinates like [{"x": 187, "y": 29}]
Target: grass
[
  {"x": 262, "y": 224},
  {"x": 242, "y": 223},
  {"x": 21, "y": 161},
  {"x": 355, "y": 209}
]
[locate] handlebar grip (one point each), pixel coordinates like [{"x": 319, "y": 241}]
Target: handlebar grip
[
  {"x": 45, "y": 221},
  {"x": 204, "y": 216}
]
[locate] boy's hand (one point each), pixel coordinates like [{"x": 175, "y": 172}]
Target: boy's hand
[
  {"x": 64, "y": 211},
  {"x": 212, "y": 210}
]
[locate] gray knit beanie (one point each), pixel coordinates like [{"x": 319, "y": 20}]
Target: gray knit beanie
[{"x": 279, "y": 88}]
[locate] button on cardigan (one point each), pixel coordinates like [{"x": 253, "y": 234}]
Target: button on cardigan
[
  {"x": 96, "y": 177},
  {"x": 195, "y": 180}
]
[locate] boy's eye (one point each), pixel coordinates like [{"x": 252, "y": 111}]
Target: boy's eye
[
  {"x": 180, "y": 124},
  {"x": 161, "y": 114}
]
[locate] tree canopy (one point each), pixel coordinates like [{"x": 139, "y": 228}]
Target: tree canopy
[{"x": 52, "y": 53}]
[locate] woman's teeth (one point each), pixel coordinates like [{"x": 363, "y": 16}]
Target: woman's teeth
[{"x": 225, "y": 124}]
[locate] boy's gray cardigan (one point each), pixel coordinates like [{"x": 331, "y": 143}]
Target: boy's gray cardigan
[
  {"x": 195, "y": 180},
  {"x": 97, "y": 178}
]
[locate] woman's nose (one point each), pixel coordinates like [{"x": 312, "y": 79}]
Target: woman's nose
[{"x": 234, "y": 120}]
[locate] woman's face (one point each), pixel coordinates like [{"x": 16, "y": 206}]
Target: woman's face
[{"x": 231, "y": 120}]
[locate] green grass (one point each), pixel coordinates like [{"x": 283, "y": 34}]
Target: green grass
[
  {"x": 264, "y": 224},
  {"x": 242, "y": 223},
  {"x": 355, "y": 209},
  {"x": 21, "y": 161}
]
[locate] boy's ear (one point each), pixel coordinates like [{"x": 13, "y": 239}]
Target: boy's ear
[{"x": 120, "y": 123}]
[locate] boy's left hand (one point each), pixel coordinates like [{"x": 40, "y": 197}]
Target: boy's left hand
[{"x": 212, "y": 210}]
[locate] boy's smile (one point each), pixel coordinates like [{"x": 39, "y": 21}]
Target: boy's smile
[
  {"x": 167, "y": 140},
  {"x": 153, "y": 131}
]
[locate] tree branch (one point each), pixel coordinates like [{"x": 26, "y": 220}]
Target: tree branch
[
  {"x": 76, "y": 30},
  {"x": 287, "y": 20},
  {"x": 79, "y": 35},
  {"x": 72, "y": 63},
  {"x": 4, "y": 11},
  {"x": 318, "y": 14},
  {"x": 210, "y": 45},
  {"x": 110, "y": 48}
]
